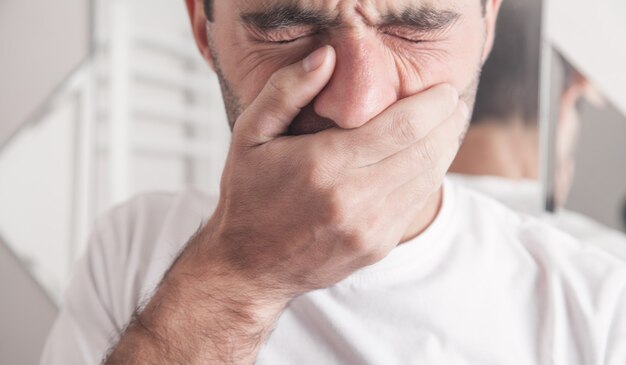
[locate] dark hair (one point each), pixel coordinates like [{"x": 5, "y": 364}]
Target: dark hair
[
  {"x": 208, "y": 8},
  {"x": 509, "y": 83}
]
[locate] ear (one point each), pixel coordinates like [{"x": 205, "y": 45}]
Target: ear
[
  {"x": 492, "y": 8},
  {"x": 198, "y": 20}
]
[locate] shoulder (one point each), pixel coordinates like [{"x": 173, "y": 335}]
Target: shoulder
[
  {"x": 157, "y": 206},
  {"x": 523, "y": 197},
  {"x": 129, "y": 250},
  {"x": 153, "y": 222},
  {"x": 137, "y": 223},
  {"x": 569, "y": 277},
  {"x": 135, "y": 243},
  {"x": 538, "y": 244},
  {"x": 591, "y": 232}
]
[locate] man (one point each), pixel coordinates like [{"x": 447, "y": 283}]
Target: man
[
  {"x": 500, "y": 156},
  {"x": 332, "y": 241}
]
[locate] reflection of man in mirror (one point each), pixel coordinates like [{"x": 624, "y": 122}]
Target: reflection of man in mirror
[
  {"x": 335, "y": 239},
  {"x": 500, "y": 155}
]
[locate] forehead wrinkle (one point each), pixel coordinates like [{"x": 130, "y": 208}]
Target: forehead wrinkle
[
  {"x": 337, "y": 9},
  {"x": 275, "y": 14}
]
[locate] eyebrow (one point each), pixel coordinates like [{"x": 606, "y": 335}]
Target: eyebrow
[
  {"x": 423, "y": 19},
  {"x": 285, "y": 16}
]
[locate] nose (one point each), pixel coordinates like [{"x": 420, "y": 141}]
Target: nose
[{"x": 361, "y": 87}]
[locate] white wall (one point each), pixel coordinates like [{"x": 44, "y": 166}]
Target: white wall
[
  {"x": 31, "y": 61},
  {"x": 599, "y": 189},
  {"x": 592, "y": 38},
  {"x": 27, "y": 314},
  {"x": 591, "y": 35},
  {"x": 36, "y": 183}
]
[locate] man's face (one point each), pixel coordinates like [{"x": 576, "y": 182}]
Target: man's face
[{"x": 386, "y": 50}]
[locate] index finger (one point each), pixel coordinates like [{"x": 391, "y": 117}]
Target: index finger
[
  {"x": 404, "y": 123},
  {"x": 286, "y": 92}
]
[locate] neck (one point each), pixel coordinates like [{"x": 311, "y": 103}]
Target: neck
[{"x": 506, "y": 150}]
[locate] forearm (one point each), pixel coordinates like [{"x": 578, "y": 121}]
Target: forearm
[{"x": 200, "y": 314}]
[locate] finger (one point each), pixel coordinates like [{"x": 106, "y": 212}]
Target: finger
[
  {"x": 283, "y": 97},
  {"x": 410, "y": 198},
  {"x": 415, "y": 213},
  {"x": 405, "y": 206},
  {"x": 421, "y": 165},
  {"x": 404, "y": 123}
]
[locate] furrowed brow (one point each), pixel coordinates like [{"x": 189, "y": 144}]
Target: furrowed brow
[
  {"x": 423, "y": 19},
  {"x": 282, "y": 16}
]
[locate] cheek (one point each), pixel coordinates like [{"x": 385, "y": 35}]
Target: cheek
[
  {"x": 421, "y": 69},
  {"x": 255, "y": 64},
  {"x": 247, "y": 65},
  {"x": 456, "y": 61}
]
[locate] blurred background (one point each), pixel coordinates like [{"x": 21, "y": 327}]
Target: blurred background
[
  {"x": 99, "y": 101},
  {"x": 103, "y": 100},
  {"x": 140, "y": 111}
]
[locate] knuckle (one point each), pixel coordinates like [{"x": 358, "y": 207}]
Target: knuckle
[
  {"x": 357, "y": 243},
  {"x": 273, "y": 103},
  {"x": 445, "y": 97},
  {"x": 450, "y": 94},
  {"x": 340, "y": 204},
  {"x": 277, "y": 90},
  {"x": 314, "y": 175},
  {"x": 278, "y": 83},
  {"x": 374, "y": 256},
  {"x": 337, "y": 205},
  {"x": 321, "y": 167},
  {"x": 404, "y": 129},
  {"x": 427, "y": 152}
]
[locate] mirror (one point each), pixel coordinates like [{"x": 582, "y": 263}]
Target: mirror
[
  {"x": 549, "y": 128},
  {"x": 597, "y": 130}
]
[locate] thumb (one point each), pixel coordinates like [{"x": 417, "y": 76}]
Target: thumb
[{"x": 288, "y": 91}]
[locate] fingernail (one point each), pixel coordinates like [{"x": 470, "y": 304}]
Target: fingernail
[
  {"x": 464, "y": 109},
  {"x": 315, "y": 59}
]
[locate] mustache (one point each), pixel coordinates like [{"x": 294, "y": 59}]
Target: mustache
[{"x": 308, "y": 122}]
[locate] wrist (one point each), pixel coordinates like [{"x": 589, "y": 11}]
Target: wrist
[
  {"x": 226, "y": 291},
  {"x": 204, "y": 311},
  {"x": 194, "y": 310},
  {"x": 210, "y": 266}
]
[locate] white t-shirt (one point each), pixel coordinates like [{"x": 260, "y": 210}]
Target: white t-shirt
[
  {"x": 483, "y": 285},
  {"x": 524, "y": 196}
]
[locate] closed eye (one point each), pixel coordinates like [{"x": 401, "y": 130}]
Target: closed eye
[
  {"x": 285, "y": 35},
  {"x": 287, "y": 40},
  {"x": 405, "y": 36}
]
